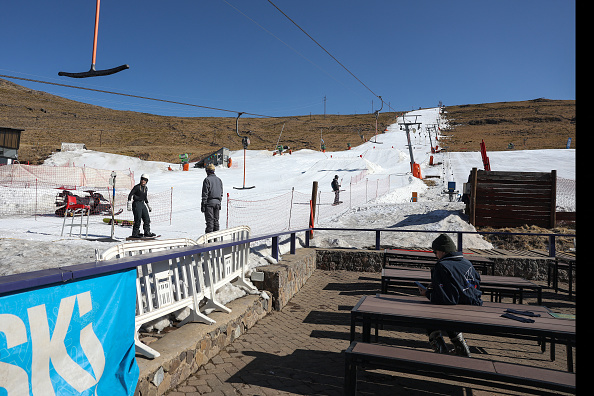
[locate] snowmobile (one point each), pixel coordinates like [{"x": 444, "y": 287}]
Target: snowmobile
[{"x": 97, "y": 202}]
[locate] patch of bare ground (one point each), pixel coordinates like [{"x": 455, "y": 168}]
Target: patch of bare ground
[
  {"x": 527, "y": 242},
  {"x": 528, "y": 125}
]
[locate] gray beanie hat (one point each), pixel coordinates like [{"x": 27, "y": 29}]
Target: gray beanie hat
[{"x": 443, "y": 243}]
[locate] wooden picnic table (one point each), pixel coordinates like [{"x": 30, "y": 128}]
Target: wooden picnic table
[
  {"x": 418, "y": 312},
  {"x": 401, "y": 275},
  {"x": 397, "y": 256},
  {"x": 564, "y": 261}
]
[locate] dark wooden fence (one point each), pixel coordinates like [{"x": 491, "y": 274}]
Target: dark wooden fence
[{"x": 512, "y": 199}]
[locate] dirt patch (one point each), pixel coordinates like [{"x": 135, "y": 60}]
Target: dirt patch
[{"x": 527, "y": 242}]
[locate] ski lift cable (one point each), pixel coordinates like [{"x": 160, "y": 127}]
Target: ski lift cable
[
  {"x": 296, "y": 118},
  {"x": 326, "y": 51},
  {"x": 287, "y": 45},
  {"x": 134, "y": 96}
]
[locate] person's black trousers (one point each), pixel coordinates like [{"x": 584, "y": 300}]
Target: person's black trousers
[
  {"x": 141, "y": 213},
  {"x": 211, "y": 216}
]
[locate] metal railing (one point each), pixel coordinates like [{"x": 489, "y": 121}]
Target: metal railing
[
  {"x": 459, "y": 234},
  {"x": 20, "y": 282}
]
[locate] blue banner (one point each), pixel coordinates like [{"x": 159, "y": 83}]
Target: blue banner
[{"x": 76, "y": 338}]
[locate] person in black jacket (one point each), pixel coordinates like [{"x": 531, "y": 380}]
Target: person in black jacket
[
  {"x": 139, "y": 205},
  {"x": 453, "y": 281},
  {"x": 212, "y": 195},
  {"x": 336, "y": 188}
]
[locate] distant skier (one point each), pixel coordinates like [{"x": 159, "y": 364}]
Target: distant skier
[
  {"x": 212, "y": 195},
  {"x": 139, "y": 205},
  {"x": 336, "y": 188}
]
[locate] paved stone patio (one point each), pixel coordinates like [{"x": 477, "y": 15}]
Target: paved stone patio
[{"x": 299, "y": 350}]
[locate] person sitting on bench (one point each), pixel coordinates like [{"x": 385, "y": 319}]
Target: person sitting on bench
[{"x": 453, "y": 281}]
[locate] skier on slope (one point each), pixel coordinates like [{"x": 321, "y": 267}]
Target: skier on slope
[
  {"x": 139, "y": 205},
  {"x": 336, "y": 188}
]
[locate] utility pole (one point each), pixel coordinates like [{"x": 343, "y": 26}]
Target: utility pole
[{"x": 324, "y": 106}]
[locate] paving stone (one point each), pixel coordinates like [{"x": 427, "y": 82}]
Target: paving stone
[{"x": 299, "y": 350}]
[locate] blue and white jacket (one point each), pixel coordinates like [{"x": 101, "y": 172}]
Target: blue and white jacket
[{"x": 454, "y": 281}]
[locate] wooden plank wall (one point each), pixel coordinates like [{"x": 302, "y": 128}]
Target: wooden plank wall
[{"x": 513, "y": 199}]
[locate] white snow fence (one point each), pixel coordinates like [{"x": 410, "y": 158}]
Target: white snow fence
[{"x": 168, "y": 286}]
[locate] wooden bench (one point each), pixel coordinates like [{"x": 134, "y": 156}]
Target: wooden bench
[
  {"x": 565, "y": 261},
  {"x": 497, "y": 285},
  {"x": 394, "y": 257},
  {"x": 413, "y": 361}
]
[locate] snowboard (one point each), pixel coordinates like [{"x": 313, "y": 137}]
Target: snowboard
[
  {"x": 123, "y": 223},
  {"x": 130, "y": 238},
  {"x": 339, "y": 202}
]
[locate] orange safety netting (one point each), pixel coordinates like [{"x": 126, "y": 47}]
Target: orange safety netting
[
  {"x": 30, "y": 190},
  {"x": 291, "y": 210},
  {"x": 69, "y": 176}
]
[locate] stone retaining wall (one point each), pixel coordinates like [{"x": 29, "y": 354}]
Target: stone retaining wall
[
  {"x": 531, "y": 268},
  {"x": 185, "y": 350},
  {"x": 523, "y": 267},
  {"x": 283, "y": 280},
  {"x": 350, "y": 260}
]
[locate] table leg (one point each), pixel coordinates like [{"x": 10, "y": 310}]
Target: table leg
[
  {"x": 366, "y": 328},
  {"x": 569, "y": 358}
]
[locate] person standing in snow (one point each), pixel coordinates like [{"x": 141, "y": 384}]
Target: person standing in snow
[
  {"x": 139, "y": 205},
  {"x": 336, "y": 188},
  {"x": 212, "y": 195},
  {"x": 453, "y": 281}
]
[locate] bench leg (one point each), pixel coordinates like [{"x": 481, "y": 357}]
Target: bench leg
[{"x": 569, "y": 358}]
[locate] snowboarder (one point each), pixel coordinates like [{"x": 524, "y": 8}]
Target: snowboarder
[
  {"x": 336, "y": 188},
  {"x": 139, "y": 205},
  {"x": 212, "y": 195}
]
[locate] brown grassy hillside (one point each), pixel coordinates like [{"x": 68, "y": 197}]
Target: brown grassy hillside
[
  {"x": 49, "y": 120},
  {"x": 529, "y": 125}
]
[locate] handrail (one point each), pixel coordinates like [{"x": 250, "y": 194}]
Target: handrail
[
  {"x": 35, "y": 279},
  {"x": 23, "y": 281},
  {"x": 459, "y": 234}
]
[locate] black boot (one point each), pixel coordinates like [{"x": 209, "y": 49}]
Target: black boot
[
  {"x": 136, "y": 233},
  {"x": 148, "y": 233},
  {"x": 460, "y": 346},
  {"x": 437, "y": 342}
]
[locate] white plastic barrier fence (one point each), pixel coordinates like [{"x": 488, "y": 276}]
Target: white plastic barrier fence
[
  {"x": 167, "y": 286},
  {"x": 227, "y": 264}
]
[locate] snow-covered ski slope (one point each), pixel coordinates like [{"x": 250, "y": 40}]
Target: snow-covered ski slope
[{"x": 31, "y": 243}]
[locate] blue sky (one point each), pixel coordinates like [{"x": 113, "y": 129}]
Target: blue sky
[{"x": 245, "y": 56}]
